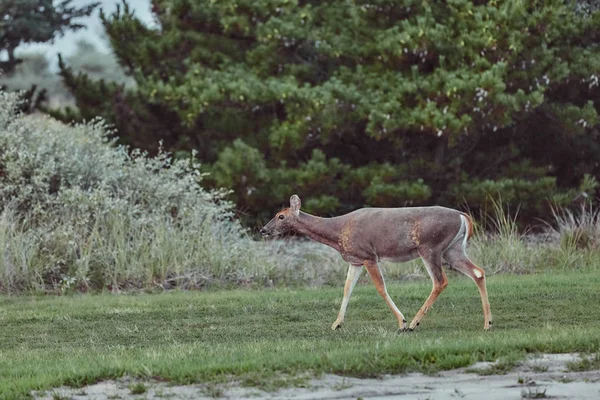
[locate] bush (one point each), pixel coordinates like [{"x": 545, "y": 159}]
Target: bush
[{"x": 76, "y": 211}]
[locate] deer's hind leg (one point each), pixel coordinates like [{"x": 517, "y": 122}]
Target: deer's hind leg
[
  {"x": 433, "y": 262},
  {"x": 458, "y": 259},
  {"x": 375, "y": 272}
]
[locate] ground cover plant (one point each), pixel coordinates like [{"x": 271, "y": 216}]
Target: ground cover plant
[{"x": 251, "y": 336}]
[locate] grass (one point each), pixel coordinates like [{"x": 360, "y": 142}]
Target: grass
[
  {"x": 58, "y": 396},
  {"x": 585, "y": 363},
  {"x": 138, "y": 388},
  {"x": 539, "y": 368},
  {"x": 504, "y": 365},
  {"x": 259, "y": 336}
]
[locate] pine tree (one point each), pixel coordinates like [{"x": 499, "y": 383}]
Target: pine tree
[{"x": 353, "y": 103}]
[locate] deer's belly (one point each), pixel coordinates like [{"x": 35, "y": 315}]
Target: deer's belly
[
  {"x": 354, "y": 259},
  {"x": 359, "y": 259},
  {"x": 398, "y": 258}
]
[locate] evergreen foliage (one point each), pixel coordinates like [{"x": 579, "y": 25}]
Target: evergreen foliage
[{"x": 353, "y": 103}]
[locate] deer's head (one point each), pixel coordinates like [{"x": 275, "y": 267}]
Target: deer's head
[{"x": 284, "y": 220}]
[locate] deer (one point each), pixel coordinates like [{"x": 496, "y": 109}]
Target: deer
[{"x": 366, "y": 236}]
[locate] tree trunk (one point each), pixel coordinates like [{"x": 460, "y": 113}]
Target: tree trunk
[{"x": 440, "y": 150}]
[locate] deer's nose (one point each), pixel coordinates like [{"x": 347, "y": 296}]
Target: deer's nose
[{"x": 263, "y": 232}]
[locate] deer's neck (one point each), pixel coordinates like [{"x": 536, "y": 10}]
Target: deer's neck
[{"x": 323, "y": 230}]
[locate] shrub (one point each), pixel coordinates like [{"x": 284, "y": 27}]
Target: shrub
[
  {"x": 580, "y": 229},
  {"x": 77, "y": 211}
]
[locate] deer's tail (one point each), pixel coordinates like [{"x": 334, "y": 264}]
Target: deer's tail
[{"x": 469, "y": 221}]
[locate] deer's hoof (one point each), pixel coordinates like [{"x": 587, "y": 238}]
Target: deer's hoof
[
  {"x": 336, "y": 326},
  {"x": 488, "y": 326}
]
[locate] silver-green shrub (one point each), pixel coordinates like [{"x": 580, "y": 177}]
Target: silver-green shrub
[{"x": 77, "y": 211}]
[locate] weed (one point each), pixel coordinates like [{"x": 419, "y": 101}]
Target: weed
[
  {"x": 539, "y": 368},
  {"x": 58, "y": 396},
  {"x": 525, "y": 380},
  {"x": 534, "y": 394},
  {"x": 79, "y": 213},
  {"x": 585, "y": 363},
  {"x": 273, "y": 383},
  {"x": 341, "y": 385},
  {"x": 213, "y": 390},
  {"x": 138, "y": 388},
  {"x": 502, "y": 366},
  {"x": 580, "y": 230}
]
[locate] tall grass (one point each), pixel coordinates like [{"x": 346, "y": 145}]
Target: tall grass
[
  {"x": 569, "y": 242},
  {"x": 499, "y": 245},
  {"x": 579, "y": 229}
]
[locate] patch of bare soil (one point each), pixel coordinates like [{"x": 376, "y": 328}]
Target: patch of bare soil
[{"x": 543, "y": 376}]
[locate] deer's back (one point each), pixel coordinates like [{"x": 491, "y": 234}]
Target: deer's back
[{"x": 397, "y": 234}]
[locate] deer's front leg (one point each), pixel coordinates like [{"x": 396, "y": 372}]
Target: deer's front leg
[
  {"x": 351, "y": 279},
  {"x": 375, "y": 272}
]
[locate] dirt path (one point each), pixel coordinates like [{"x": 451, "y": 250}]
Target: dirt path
[{"x": 525, "y": 381}]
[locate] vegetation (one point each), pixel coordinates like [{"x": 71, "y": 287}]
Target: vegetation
[
  {"x": 138, "y": 388},
  {"x": 348, "y": 104},
  {"x": 80, "y": 213},
  {"x": 35, "y": 21},
  {"x": 585, "y": 363},
  {"x": 379, "y": 103},
  {"x": 254, "y": 336}
]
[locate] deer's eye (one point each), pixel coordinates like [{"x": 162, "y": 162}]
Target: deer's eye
[{"x": 281, "y": 217}]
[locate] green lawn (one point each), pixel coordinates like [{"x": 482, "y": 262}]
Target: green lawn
[{"x": 207, "y": 336}]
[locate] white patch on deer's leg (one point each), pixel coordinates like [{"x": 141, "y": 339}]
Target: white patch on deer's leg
[
  {"x": 459, "y": 260},
  {"x": 351, "y": 279}
]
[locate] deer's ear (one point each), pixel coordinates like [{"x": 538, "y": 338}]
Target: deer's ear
[{"x": 295, "y": 204}]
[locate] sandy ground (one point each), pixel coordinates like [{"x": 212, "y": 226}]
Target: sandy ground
[{"x": 525, "y": 381}]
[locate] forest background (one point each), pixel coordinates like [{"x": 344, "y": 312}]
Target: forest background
[{"x": 352, "y": 103}]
